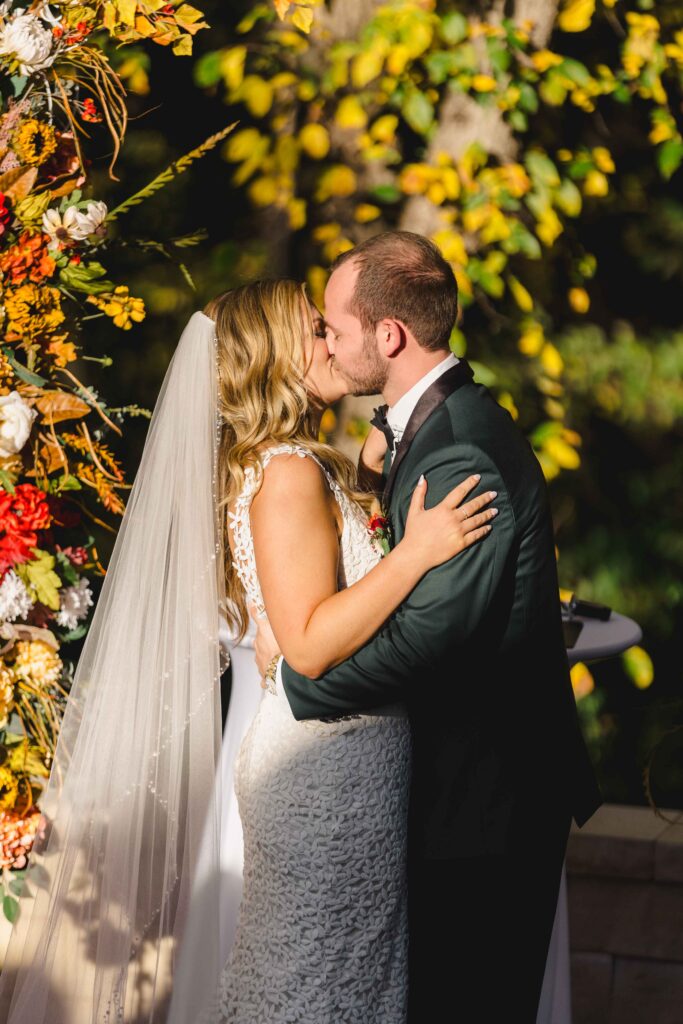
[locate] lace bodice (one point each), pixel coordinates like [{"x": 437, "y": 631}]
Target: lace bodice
[{"x": 359, "y": 553}]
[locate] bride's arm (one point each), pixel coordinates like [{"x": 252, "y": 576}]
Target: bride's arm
[{"x": 296, "y": 546}]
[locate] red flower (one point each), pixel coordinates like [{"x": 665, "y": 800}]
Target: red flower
[
  {"x": 77, "y": 556},
  {"x": 89, "y": 111},
  {"x": 378, "y": 522},
  {"x": 5, "y": 214},
  {"x": 21, "y": 515}
]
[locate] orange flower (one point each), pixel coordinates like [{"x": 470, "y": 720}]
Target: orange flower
[
  {"x": 63, "y": 351},
  {"x": 28, "y": 259}
]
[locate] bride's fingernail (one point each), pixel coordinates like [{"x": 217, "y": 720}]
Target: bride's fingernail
[
  {"x": 422, "y": 478},
  {"x": 493, "y": 494}
]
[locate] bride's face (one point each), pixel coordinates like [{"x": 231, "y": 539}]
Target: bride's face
[{"x": 321, "y": 378}]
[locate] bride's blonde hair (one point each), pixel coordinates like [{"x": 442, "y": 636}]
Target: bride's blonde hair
[{"x": 263, "y": 399}]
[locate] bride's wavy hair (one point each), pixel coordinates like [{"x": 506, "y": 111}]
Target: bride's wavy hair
[{"x": 263, "y": 400}]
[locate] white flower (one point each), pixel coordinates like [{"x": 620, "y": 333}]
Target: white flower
[
  {"x": 60, "y": 227},
  {"x": 74, "y": 603},
  {"x": 15, "y": 602},
  {"x": 26, "y": 39},
  {"x": 88, "y": 222},
  {"x": 16, "y": 419}
]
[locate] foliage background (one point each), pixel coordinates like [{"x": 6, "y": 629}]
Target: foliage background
[{"x": 618, "y": 514}]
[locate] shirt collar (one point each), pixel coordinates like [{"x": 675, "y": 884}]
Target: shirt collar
[{"x": 399, "y": 414}]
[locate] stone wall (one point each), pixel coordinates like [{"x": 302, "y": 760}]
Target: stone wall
[{"x": 625, "y": 893}]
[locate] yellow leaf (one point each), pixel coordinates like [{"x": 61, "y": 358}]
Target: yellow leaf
[
  {"x": 451, "y": 182},
  {"x": 350, "y": 113},
  {"x": 315, "y": 140},
  {"x": 183, "y": 46},
  {"x": 582, "y": 680},
  {"x": 451, "y": 246},
  {"x": 520, "y": 294},
  {"x": 281, "y": 7},
  {"x": 366, "y": 212},
  {"x": 337, "y": 180},
  {"x": 384, "y": 128},
  {"x": 596, "y": 184},
  {"x": 296, "y": 210},
  {"x": 365, "y": 67},
  {"x": 302, "y": 19},
  {"x": 316, "y": 278},
  {"x": 507, "y": 401},
  {"x": 603, "y": 159},
  {"x": 399, "y": 56},
  {"x": 551, "y": 360},
  {"x": 544, "y": 59},
  {"x": 579, "y": 300},
  {"x": 257, "y": 94},
  {"x": 126, "y": 9},
  {"x": 263, "y": 191},
  {"x": 638, "y": 664},
  {"x": 532, "y": 340},
  {"x": 576, "y": 15},
  {"x": 240, "y": 146},
  {"x": 326, "y": 232},
  {"x": 483, "y": 83},
  {"x": 232, "y": 66},
  {"x": 549, "y": 226},
  {"x": 563, "y": 454}
]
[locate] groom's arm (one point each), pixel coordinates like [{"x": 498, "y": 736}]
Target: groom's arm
[{"x": 443, "y": 610}]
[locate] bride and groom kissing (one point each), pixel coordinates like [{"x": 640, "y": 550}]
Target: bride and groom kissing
[
  {"x": 408, "y": 781},
  {"x": 407, "y": 786}
]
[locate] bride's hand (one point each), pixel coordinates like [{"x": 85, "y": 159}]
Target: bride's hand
[
  {"x": 437, "y": 534},
  {"x": 265, "y": 645}
]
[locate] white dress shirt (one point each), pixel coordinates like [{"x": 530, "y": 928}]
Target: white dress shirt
[
  {"x": 399, "y": 414},
  {"x": 397, "y": 418}
]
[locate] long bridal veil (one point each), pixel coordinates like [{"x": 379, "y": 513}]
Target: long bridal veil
[{"x": 126, "y": 874}]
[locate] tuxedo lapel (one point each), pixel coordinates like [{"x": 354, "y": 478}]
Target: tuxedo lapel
[{"x": 435, "y": 394}]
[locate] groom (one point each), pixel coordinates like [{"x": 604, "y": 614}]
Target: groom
[{"x": 499, "y": 763}]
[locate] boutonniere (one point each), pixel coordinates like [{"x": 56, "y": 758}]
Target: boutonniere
[{"x": 379, "y": 529}]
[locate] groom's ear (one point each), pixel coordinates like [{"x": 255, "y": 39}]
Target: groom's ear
[{"x": 391, "y": 337}]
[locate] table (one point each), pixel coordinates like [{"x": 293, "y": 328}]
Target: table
[{"x": 599, "y": 640}]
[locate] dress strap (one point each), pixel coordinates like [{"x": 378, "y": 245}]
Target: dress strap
[{"x": 239, "y": 522}]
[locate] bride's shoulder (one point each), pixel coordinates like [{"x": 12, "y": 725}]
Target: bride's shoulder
[{"x": 289, "y": 469}]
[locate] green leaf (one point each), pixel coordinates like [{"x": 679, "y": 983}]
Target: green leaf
[
  {"x": 386, "y": 193},
  {"x": 67, "y": 483},
  {"x": 208, "y": 69},
  {"x": 5, "y": 482},
  {"x": 10, "y": 908},
  {"x": 499, "y": 54},
  {"x": 17, "y": 886},
  {"x": 74, "y": 634},
  {"x": 518, "y": 121},
  {"x": 528, "y": 98},
  {"x": 542, "y": 169},
  {"x": 18, "y": 83},
  {"x": 40, "y": 578},
  {"x": 575, "y": 71},
  {"x": 418, "y": 112},
  {"x": 568, "y": 198},
  {"x": 552, "y": 91},
  {"x": 22, "y": 371},
  {"x": 440, "y": 65},
  {"x": 453, "y": 27},
  {"x": 85, "y": 277},
  {"x": 67, "y": 568},
  {"x": 483, "y": 374},
  {"x": 669, "y": 157}
]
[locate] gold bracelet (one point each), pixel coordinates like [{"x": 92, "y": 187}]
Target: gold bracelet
[{"x": 271, "y": 674}]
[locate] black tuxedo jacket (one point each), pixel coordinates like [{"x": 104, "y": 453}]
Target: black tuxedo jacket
[{"x": 477, "y": 649}]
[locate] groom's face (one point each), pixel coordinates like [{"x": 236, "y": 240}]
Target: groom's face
[{"x": 356, "y": 354}]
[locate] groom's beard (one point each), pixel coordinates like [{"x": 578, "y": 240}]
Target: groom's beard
[{"x": 370, "y": 373}]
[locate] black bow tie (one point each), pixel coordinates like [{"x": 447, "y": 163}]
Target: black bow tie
[{"x": 380, "y": 421}]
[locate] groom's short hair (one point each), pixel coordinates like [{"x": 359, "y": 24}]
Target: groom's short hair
[{"x": 404, "y": 276}]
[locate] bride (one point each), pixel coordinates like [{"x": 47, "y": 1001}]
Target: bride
[{"x": 123, "y": 892}]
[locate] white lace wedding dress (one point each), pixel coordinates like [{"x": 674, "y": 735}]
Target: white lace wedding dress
[{"x": 322, "y": 936}]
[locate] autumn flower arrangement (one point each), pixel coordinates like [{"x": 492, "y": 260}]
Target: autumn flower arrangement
[{"x": 56, "y": 465}]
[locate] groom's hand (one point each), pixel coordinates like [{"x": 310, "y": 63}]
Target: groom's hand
[{"x": 265, "y": 646}]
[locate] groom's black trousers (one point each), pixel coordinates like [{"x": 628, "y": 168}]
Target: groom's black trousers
[{"x": 480, "y": 926}]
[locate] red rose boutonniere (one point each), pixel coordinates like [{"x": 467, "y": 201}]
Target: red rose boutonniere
[{"x": 380, "y": 533}]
